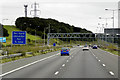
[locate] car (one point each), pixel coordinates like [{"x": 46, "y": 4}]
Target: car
[
  {"x": 65, "y": 51},
  {"x": 85, "y": 48},
  {"x": 94, "y": 47}
]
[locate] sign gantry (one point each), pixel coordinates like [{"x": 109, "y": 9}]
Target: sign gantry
[{"x": 82, "y": 36}]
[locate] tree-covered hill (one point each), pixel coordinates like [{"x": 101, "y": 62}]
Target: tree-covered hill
[{"x": 39, "y": 24}]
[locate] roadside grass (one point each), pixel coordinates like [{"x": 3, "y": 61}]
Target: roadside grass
[
  {"x": 35, "y": 53},
  {"x": 113, "y": 52},
  {"x": 111, "y": 48},
  {"x": 13, "y": 28}
]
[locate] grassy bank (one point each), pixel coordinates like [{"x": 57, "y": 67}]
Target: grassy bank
[
  {"x": 35, "y": 52},
  {"x": 13, "y": 28}
]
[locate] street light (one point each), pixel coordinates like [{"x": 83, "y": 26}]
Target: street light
[
  {"x": 35, "y": 34},
  {"x": 113, "y": 10},
  {"x": 3, "y": 20},
  {"x": 48, "y": 31},
  {"x": 105, "y": 20},
  {"x": 44, "y": 33},
  {"x": 101, "y": 28},
  {"x": 1, "y": 29}
]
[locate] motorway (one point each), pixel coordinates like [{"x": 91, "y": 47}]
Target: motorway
[{"x": 94, "y": 63}]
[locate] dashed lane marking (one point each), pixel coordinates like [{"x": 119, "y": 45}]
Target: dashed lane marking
[
  {"x": 104, "y": 65},
  {"x": 63, "y": 65},
  {"x": 111, "y": 73},
  {"x": 67, "y": 60},
  {"x": 56, "y": 72}
]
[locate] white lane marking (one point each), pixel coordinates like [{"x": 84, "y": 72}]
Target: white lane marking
[
  {"x": 63, "y": 65},
  {"x": 93, "y": 54},
  {"x": 26, "y": 65},
  {"x": 104, "y": 65},
  {"x": 70, "y": 57},
  {"x": 96, "y": 57},
  {"x": 111, "y": 73},
  {"x": 67, "y": 60},
  {"x": 56, "y": 72},
  {"x": 99, "y": 60}
]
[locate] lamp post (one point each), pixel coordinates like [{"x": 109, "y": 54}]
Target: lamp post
[
  {"x": 1, "y": 29},
  {"x": 44, "y": 36},
  {"x": 4, "y": 20},
  {"x": 35, "y": 34},
  {"x": 101, "y": 28},
  {"x": 1, "y": 32},
  {"x": 113, "y": 10},
  {"x": 106, "y": 19},
  {"x": 48, "y": 32}
]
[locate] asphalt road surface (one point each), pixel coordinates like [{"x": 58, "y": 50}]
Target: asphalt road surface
[{"x": 80, "y": 64}]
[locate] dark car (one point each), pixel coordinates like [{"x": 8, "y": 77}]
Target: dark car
[
  {"x": 94, "y": 47},
  {"x": 65, "y": 51}
]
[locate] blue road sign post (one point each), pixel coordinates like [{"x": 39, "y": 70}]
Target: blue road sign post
[
  {"x": 54, "y": 44},
  {"x": 19, "y": 37}
]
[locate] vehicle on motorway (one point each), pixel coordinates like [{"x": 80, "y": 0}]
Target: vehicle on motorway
[
  {"x": 65, "y": 51},
  {"x": 94, "y": 47},
  {"x": 85, "y": 48},
  {"x": 78, "y": 45},
  {"x": 89, "y": 45}
]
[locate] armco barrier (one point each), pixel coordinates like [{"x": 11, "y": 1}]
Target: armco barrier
[
  {"x": 20, "y": 54},
  {"x": 14, "y": 55}
]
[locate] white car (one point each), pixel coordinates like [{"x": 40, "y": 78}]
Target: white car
[{"x": 85, "y": 48}]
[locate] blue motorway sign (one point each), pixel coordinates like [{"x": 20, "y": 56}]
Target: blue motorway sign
[
  {"x": 3, "y": 39},
  {"x": 19, "y": 37},
  {"x": 54, "y": 44}
]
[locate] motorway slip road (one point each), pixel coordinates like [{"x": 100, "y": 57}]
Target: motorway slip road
[{"x": 80, "y": 64}]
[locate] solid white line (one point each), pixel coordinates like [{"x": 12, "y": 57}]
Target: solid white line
[
  {"x": 104, "y": 65},
  {"x": 111, "y": 73},
  {"x": 63, "y": 65},
  {"x": 99, "y": 60},
  {"x": 26, "y": 65},
  {"x": 56, "y": 72}
]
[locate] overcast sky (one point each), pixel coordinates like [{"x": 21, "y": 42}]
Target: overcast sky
[{"x": 79, "y": 13}]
